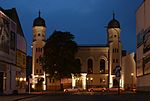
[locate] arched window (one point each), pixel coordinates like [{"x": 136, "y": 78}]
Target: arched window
[
  {"x": 78, "y": 62},
  {"x": 102, "y": 66},
  {"x": 78, "y": 65},
  {"x": 90, "y": 66}
]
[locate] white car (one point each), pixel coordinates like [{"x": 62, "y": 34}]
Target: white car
[
  {"x": 97, "y": 89},
  {"x": 115, "y": 89},
  {"x": 76, "y": 89}
]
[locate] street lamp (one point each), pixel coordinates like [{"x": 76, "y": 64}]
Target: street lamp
[
  {"x": 91, "y": 80},
  {"x": 132, "y": 74},
  {"x": 55, "y": 74}
]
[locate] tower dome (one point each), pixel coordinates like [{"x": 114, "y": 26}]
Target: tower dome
[
  {"x": 113, "y": 23},
  {"x": 39, "y": 21}
]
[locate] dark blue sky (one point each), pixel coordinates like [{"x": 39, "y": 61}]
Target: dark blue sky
[{"x": 86, "y": 19}]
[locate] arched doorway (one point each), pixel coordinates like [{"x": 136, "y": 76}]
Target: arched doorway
[{"x": 90, "y": 66}]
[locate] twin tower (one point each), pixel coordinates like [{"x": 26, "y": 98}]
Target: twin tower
[{"x": 39, "y": 31}]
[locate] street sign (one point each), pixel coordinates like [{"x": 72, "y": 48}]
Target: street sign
[{"x": 117, "y": 71}]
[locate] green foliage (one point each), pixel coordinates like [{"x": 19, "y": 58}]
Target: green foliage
[{"x": 59, "y": 55}]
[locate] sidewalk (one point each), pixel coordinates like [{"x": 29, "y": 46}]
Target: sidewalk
[
  {"x": 25, "y": 95},
  {"x": 19, "y": 96}
]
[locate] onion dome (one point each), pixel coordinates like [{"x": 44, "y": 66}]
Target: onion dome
[
  {"x": 39, "y": 21},
  {"x": 113, "y": 23}
]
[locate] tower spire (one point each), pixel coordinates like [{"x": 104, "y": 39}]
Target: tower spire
[
  {"x": 113, "y": 15},
  {"x": 39, "y": 13}
]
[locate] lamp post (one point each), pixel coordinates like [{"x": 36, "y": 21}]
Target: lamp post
[
  {"x": 91, "y": 80},
  {"x": 55, "y": 73},
  {"x": 132, "y": 74}
]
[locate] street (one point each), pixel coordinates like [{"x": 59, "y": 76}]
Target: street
[{"x": 89, "y": 97}]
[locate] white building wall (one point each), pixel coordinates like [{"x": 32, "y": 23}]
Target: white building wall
[
  {"x": 142, "y": 30},
  {"x": 128, "y": 71}
]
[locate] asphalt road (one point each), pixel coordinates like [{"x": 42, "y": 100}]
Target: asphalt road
[{"x": 90, "y": 97}]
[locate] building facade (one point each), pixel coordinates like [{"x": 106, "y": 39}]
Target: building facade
[
  {"x": 12, "y": 31},
  {"x": 8, "y": 67},
  {"x": 129, "y": 71},
  {"x": 98, "y": 62},
  {"x": 143, "y": 46}
]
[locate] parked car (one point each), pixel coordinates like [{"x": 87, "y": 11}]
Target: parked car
[
  {"x": 75, "y": 89},
  {"x": 115, "y": 89},
  {"x": 97, "y": 89}
]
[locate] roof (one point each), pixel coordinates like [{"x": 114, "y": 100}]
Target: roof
[
  {"x": 12, "y": 14},
  {"x": 39, "y": 21},
  {"x": 114, "y": 23},
  {"x": 93, "y": 45}
]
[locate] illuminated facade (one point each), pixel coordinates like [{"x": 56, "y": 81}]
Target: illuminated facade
[
  {"x": 143, "y": 46},
  {"x": 20, "y": 51},
  {"x": 10, "y": 73},
  {"x": 99, "y": 61},
  {"x": 38, "y": 74}
]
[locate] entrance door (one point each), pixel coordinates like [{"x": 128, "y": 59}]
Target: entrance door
[
  {"x": 1, "y": 82},
  {"x": 115, "y": 83}
]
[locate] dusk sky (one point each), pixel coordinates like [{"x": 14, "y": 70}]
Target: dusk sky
[{"x": 86, "y": 19}]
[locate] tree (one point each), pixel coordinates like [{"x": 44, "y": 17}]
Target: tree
[{"x": 59, "y": 55}]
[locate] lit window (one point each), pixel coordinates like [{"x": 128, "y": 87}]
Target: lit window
[{"x": 102, "y": 66}]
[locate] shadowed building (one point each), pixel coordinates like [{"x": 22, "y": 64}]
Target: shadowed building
[{"x": 143, "y": 46}]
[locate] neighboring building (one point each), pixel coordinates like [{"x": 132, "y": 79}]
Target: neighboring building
[
  {"x": 28, "y": 71},
  {"x": 8, "y": 69},
  {"x": 20, "y": 50},
  {"x": 28, "y": 66},
  {"x": 143, "y": 46},
  {"x": 129, "y": 71},
  {"x": 17, "y": 52},
  {"x": 38, "y": 74}
]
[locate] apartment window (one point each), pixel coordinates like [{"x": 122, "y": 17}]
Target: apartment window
[
  {"x": 36, "y": 70},
  {"x": 39, "y": 34},
  {"x": 37, "y": 60},
  {"x": 113, "y": 50},
  {"x": 49, "y": 80},
  {"x": 53, "y": 80},
  {"x": 113, "y": 60},
  {"x": 40, "y": 71},
  {"x": 23, "y": 56},
  {"x": 116, "y": 60}
]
